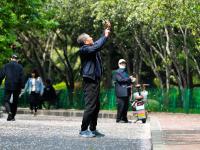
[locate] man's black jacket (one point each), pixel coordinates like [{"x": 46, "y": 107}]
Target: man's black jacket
[
  {"x": 14, "y": 76},
  {"x": 122, "y": 83},
  {"x": 91, "y": 64}
]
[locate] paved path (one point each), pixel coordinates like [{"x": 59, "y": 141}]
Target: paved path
[
  {"x": 169, "y": 131},
  {"x": 172, "y": 131},
  {"x": 61, "y": 133}
]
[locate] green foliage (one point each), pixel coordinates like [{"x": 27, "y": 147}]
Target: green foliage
[
  {"x": 156, "y": 82},
  {"x": 8, "y": 20},
  {"x": 196, "y": 79},
  {"x": 18, "y": 16},
  {"x": 196, "y": 96},
  {"x": 153, "y": 105},
  {"x": 60, "y": 86},
  {"x": 133, "y": 23}
]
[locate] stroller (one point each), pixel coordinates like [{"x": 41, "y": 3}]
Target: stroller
[{"x": 138, "y": 106}]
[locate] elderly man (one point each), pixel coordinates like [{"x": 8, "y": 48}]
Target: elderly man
[
  {"x": 14, "y": 82},
  {"x": 123, "y": 90},
  {"x": 91, "y": 71}
]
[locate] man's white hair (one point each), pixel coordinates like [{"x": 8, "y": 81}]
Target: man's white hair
[{"x": 81, "y": 38}]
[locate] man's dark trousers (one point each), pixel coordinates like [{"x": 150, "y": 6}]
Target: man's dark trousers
[
  {"x": 11, "y": 107},
  {"x": 122, "y": 108},
  {"x": 91, "y": 89}
]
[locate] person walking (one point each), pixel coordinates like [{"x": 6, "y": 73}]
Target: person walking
[
  {"x": 123, "y": 91},
  {"x": 34, "y": 86},
  {"x": 14, "y": 82},
  {"x": 91, "y": 71}
]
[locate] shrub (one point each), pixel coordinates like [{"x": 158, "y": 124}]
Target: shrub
[
  {"x": 60, "y": 86},
  {"x": 153, "y": 105}
]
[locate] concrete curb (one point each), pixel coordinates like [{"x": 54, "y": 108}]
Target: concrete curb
[
  {"x": 156, "y": 134},
  {"x": 72, "y": 113},
  {"x": 69, "y": 113},
  {"x": 1, "y": 113}
]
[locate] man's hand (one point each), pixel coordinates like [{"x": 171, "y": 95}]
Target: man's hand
[
  {"x": 106, "y": 32},
  {"x": 20, "y": 95},
  {"x": 133, "y": 79},
  {"x": 107, "y": 24}
]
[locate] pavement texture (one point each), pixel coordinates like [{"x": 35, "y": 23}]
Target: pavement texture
[
  {"x": 58, "y": 129},
  {"x": 45, "y": 132},
  {"x": 172, "y": 131}
]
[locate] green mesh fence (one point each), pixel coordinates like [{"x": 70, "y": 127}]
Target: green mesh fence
[{"x": 158, "y": 100}]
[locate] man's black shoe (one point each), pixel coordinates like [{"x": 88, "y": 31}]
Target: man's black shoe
[
  {"x": 125, "y": 121},
  {"x": 13, "y": 119},
  {"x": 117, "y": 121},
  {"x": 122, "y": 121},
  {"x": 10, "y": 117}
]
